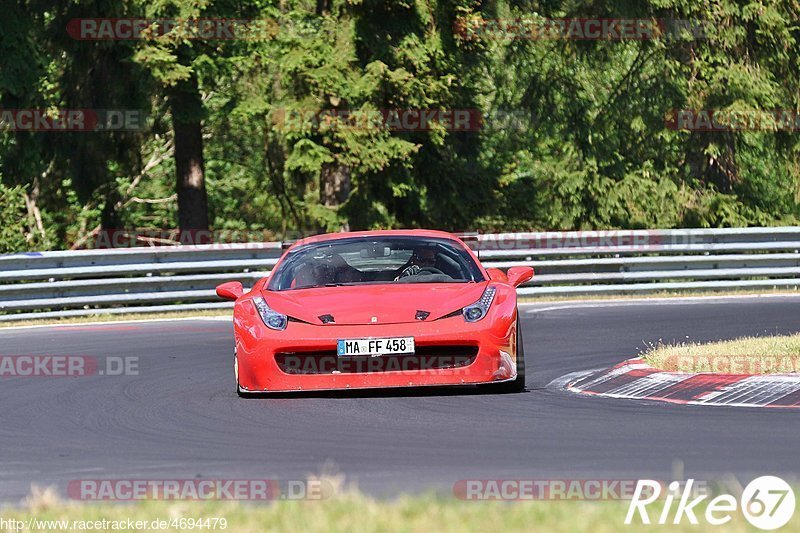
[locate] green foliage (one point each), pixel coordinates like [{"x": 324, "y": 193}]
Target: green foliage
[
  {"x": 575, "y": 136},
  {"x": 13, "y": 217}
]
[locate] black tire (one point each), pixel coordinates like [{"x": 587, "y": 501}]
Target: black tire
[{"x": 518, "y": 384}]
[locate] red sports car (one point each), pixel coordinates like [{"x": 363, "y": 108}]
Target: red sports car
[{"x": 378, "y": 309}]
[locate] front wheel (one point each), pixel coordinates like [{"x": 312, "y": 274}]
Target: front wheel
[
  {"x": 236, "y": 374},
  {"x": 518, "y": 384}
]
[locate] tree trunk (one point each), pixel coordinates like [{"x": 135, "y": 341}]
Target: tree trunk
[
  {"x": 334, "y": 186},
  {"x": 191, "y": 188},
  {"x": 187, "y": 114},
  {"x": 323, "y": 7}
]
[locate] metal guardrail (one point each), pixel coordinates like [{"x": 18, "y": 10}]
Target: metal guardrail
[{"x": 130, "y": 280}]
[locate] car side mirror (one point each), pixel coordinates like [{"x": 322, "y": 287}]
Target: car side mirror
[
  {"x": 519, "y": 275},
  {"x": 231, "y": 290},
  {"x": 495, "y": 274}
]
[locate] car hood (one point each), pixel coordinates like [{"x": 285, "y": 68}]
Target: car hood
[{"x": 374, "y": 304}]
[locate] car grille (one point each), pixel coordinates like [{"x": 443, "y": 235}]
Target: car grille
[{"x": 425, "y": 358}]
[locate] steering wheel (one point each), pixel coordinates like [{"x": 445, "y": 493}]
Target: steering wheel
[
  {"x": 415, "y": 270},
  {"x": 431, "y": 270}
]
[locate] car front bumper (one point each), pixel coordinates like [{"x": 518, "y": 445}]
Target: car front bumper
[{"x": 262, "y": 355}]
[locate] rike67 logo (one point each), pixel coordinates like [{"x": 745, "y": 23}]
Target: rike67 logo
[{"x": 767, "y": 503}]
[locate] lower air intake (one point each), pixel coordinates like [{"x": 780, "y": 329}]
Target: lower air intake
[{"x": 425, "y": 358}]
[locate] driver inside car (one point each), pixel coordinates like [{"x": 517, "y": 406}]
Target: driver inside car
[
  {"x": 421, "y": 258},
  {"x": 314, "y": 274}
]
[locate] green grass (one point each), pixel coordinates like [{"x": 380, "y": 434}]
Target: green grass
[
  {"x": 353, "y": 512},
  {"x": 746, "y": 355}
]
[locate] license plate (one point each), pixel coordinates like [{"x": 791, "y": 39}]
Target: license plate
[{"x": 375, "y": 347}]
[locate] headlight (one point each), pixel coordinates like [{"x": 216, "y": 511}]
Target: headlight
[
  {"x": 272, "y": 319},
  {"x": 478, "y": 310}
]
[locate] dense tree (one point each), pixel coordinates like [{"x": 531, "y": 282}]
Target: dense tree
[{"x": 259, "y": 133}]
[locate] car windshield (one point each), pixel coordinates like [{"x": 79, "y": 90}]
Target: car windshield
[{"x": 370, "y": 260}]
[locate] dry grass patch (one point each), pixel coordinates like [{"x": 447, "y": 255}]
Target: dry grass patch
[{"x": 778, "y": 354}]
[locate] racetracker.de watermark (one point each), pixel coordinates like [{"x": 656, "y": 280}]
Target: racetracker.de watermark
[
  {"x": 550, "y": 489},
  {"x": 440, "y": 365},
  {"x": 125, "y": 490},
  {"x": 601, "y": 240},
  {"x": 133, "y": 238},
  {"x": 66, "y": 366},
  {"x": 401, "y": 119},
  {"x": 577, "y": 29},
  {"x": 379, "y": 119},
  {"x": 64, "y": 120},
  {"x": 635, "y": 240},
  {"x": 206, "y": 29},
  {"x": 730, "y": 120}
]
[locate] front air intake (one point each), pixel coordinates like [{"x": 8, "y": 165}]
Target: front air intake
[{"x": 426, "y": 358}]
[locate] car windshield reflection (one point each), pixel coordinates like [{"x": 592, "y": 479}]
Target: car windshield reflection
[{"x": 375, "y": 261}]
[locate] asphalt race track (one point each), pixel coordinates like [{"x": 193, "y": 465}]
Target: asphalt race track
[{"x": 181, "y": 419}]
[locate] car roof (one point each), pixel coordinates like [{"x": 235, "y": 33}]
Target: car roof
[{"x": 377, "y": 233}]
